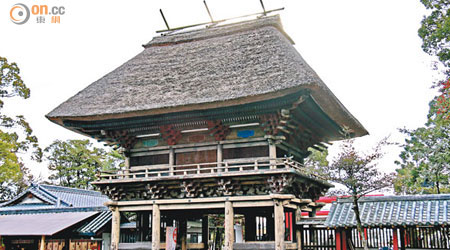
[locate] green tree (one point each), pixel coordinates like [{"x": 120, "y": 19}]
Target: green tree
[
  {"x": 425, "y": 159},
  {"x": 16, "y": 135},
  {"x": 317, "y": 162},
  {"x": 359, "y": 175},
  {"x": 74, "y": 163},
  {"x": 435, "y": 30}
]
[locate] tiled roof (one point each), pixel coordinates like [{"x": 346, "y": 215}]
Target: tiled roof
[
  {"x": 91, "y": 228},
  {"x": 414, "y": 210},
  {"x": 55, "y": 198}
]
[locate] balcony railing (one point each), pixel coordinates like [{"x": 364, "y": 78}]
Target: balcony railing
[{"x": 199, "y": 169}]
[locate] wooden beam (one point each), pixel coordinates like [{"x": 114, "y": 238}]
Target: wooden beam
[
  {"x": 204, "y": 200},
  {"x": 156, "y": 227},
  {"x": 229, "y": 225},
  {"x": 115, "y": 228},
  {"x": 279, "y": 225}
]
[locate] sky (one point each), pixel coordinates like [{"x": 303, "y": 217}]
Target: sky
[{"x": 366, "y": 51}]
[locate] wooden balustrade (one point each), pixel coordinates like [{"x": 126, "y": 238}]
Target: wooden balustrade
[{"x": 227, "y": 166}]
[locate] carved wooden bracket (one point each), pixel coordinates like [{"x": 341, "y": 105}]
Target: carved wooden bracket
[
  {"x": 227, "y": 187},
  {"x": 280, "y": 184},
  {"x": 154, "y": 191},
  {"x": 270, "y": 123},
  {"x": 122, "y": 137},
  {"x": 218, "y": 130},
  {"x": 115, "y": 193},
  {"x": 190, "y": 189},
  {"x": 170, "y": 134}
]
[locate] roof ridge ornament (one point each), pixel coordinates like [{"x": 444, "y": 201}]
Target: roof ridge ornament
[{"x": 213, "y": 22}]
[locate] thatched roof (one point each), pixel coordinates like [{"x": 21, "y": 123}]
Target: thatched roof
[{"x": 212, "y": 67}]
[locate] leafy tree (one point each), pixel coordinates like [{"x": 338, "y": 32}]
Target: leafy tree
[
  {"x": 74, "y": 163},
  {"x": 359, "y": 175},
  {"x": 425, "y": 159},
  {"x": 16, "y": 135},
  {"x": 435, "y": 30},
  {"x": 317, "y": 162}
]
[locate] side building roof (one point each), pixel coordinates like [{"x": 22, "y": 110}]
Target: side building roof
[
  {"x": 48, "y": 210},
  {"x": 202, "y": 69},
  {"x": 49, "y": 198},
  {"x": 388, "y": 211}
]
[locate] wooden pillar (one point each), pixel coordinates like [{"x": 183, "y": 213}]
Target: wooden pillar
[
  {"x": 171, "y": 160},
  {"x": 272, "y": 154},
  {"x": 298, "y": 228},
  {"x": 229, "y": 225},
  {"x": 115, "y": 228},
  {"x": 298, "y": 237},
  {"x": 205, "y": 231},
  {"x": 219, "y": 156},
  {"x": 395, "y": 238},
  {"x": 279, "y": 225},
  {"x": 344, "y": 239},
  {"x": 127, "y": 164},
  {"x": 156, "y": 227},
  {"x": 42, "y": 246},
  {"x": 183, "y": 233},
  {"x": 402, "y": 239},
  {"x": 338, "y": 239}
]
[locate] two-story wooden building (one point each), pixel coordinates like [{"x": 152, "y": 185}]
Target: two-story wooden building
[{"x": 214, "y": 122}]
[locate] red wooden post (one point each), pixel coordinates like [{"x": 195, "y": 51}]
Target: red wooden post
[
  {"x": 344, "y": 240},
  {"x": 365, "y": 233},
  {"x": 338, "y": 240},
  {"x": 395, "y": 239}
]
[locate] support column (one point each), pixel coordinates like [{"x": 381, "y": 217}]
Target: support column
[
  {"x": 229, "y": 225},
  {"x": 338, "y": 239},
  {"x": 127, "y": 164},
  {"x": 42, "y": 247},
  {"x": 205, "y": 231},
  {"x": 272, "y": 154},
  {"x": 344, "y": 238},
  {"x": 402, "y": 239},
  {"x": 183, "y": 233},
  {"x": 298, "y": 229},
  {"x": 298, "y": 237},
  {"x": 171, "y": 160},
  {"x": 156, "y": 227},
  {"x": 395, "y": 238},
  {"x": 279, "y": 224},
  {"x": 115, "y": 228},
  {"x": 219, "y": 156}
]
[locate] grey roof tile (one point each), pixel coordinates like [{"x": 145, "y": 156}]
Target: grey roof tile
[{"x": 418, "y": 210}]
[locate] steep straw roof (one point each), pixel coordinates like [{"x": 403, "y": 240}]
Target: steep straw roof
[{"x": 212, "y": 67}]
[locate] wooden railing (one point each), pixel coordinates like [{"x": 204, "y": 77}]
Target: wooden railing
[{"x": 227, "y": 166}]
